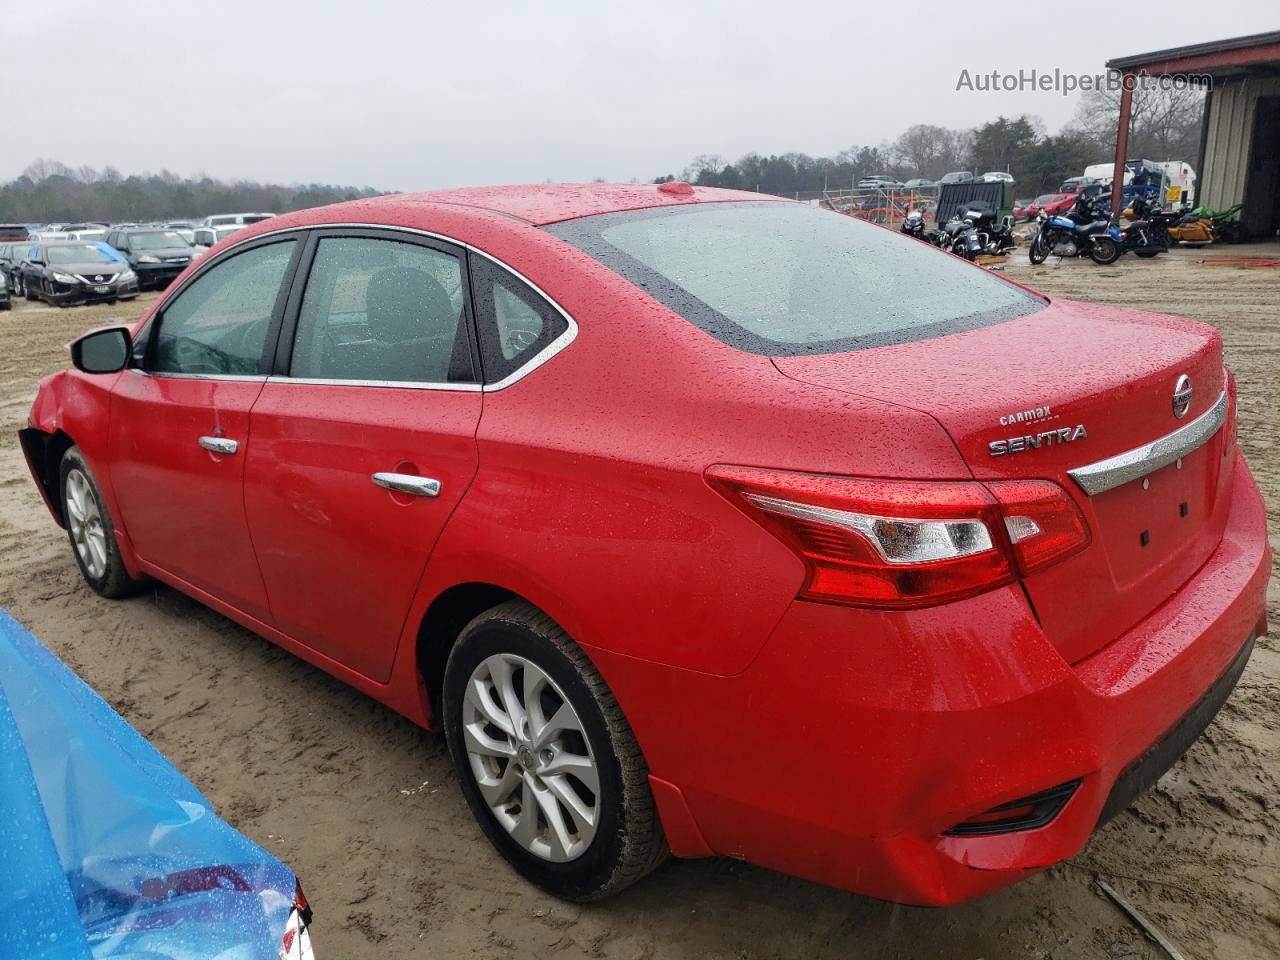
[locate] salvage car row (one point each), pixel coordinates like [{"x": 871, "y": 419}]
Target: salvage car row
[
  {"x": 64, "y": 264},
  {"x": 63, "y": 272}
]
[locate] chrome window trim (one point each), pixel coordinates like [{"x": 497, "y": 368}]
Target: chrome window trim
[
  {"x": 402, "y": 384},
  {"x": 164, "y": 375},
  {"x": 530, "y": 365},
  {"x": 1104, "y": 475}
]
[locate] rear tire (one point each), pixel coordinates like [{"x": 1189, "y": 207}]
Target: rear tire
[
  {"x": 567, "y": 803},
  {"x": 1104, "y": 250},
  {"x": 1148, "y": 254},
  {"x": 90, "y": 530}
]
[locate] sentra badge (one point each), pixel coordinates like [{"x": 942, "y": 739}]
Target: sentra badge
[{"x": 1046, "y": 438}]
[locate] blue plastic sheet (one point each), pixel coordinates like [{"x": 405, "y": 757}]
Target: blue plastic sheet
[
  {"x": 106, "y": 850},
  {"x": 111, "y": 252}
]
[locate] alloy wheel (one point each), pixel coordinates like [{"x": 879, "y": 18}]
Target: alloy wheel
[
  {"x": 531, "y": 759},
  {"x": 84, "y": 520}
]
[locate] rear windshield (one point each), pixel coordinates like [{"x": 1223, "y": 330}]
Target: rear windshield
[{"x": 785, "y": 279}]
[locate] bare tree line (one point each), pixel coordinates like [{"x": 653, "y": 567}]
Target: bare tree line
[{"x": 49, "y": 191}]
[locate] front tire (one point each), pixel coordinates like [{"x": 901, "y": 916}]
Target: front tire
[
  {"x": 546, "y": 759},
  {"x": 89, "y": 527},
  {"x": 1037, "y": 251}
]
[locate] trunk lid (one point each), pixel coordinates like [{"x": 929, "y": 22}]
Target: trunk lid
[{"x": 1059, "y": 389}]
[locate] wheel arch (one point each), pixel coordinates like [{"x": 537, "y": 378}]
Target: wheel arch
[
  {"x": 442, "y": 623},
  {"x": 44, "y": 452}
]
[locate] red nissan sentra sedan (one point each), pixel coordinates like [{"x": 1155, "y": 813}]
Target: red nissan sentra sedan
[{"x": 698, "y": 521}]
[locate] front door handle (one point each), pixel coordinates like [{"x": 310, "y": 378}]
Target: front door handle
[
  {"x": 219, "y": 445},
  {"x": 408, "y": 483}
]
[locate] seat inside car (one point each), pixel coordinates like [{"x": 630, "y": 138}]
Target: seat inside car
[{"x": 414, "y": 333}]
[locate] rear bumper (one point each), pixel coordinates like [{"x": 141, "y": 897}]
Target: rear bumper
[{"x": 858, "y": 738}]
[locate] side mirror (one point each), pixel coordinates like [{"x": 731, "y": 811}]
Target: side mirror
[{"x": 103, "y": 351}]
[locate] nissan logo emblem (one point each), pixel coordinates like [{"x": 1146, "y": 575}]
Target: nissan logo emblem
[{"x": 1182, "y": 392}]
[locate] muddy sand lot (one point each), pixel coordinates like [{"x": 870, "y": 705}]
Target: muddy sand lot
[{"x": 363, "y": 804}]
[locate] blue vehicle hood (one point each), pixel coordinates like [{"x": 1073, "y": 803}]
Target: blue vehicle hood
[{"x": 106, "y": 850}]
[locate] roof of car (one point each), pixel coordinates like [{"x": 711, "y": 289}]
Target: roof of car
[{"x": 543, "y": 203}]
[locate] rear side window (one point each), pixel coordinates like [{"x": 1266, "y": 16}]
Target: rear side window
[
  {"x": 383, "y": 310},
  {"x": 513, "y": 321},
  {"x": 785, "y": 278},
  {"x": 218, "y": 325}
]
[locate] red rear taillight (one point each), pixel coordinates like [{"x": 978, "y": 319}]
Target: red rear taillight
[
  {"x": 904, "y": 543},
  {"x": 1043, "y": 523}
]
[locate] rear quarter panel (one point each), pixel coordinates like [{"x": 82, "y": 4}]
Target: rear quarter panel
[{"x": 590, "y": 499}]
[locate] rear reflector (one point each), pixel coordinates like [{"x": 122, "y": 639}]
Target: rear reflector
[
  {"x": 1025, "y": 813},
  {"x": 899, "y": 544}
]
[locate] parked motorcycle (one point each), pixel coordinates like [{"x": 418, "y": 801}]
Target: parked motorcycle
[
  {"x": 960, "y": 235},
  {"x": 1193, "y": 230},
  {"x": 995, "y": 237},
  {"x": 976, "y": 231},
  {"x": 1147, "y": 234},
  {"x": 1063, "y": 237},
  {"x": 1203, "y": 226},
  {"x": 913, "y": 226}
]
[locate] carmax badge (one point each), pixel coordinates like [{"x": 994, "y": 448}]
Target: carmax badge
[{"x": 1047, "y": 438}]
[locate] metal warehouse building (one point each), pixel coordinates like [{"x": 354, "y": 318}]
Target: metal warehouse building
[{"x": 1240, "y": 135}]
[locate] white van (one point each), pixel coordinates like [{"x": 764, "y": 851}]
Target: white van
[
  {"x": 1178, "y": 180},
  {"x": 237, "y": 219},
  {"x": 1103, "y": 172},
  {"x": 1179, "y": 177}
]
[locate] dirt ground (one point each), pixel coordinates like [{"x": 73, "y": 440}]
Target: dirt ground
[{"x": 363, "y": 804}]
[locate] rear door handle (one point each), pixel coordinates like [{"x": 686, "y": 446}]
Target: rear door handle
[
  {"x": 408, "y": 483},
  {"x": 219, "y": 445}
]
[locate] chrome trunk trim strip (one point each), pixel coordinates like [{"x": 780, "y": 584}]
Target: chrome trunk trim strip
[{"x": 1113, "y": 472}]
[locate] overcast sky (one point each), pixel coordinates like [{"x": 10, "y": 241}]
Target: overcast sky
[{"x": 416, "y": 95}]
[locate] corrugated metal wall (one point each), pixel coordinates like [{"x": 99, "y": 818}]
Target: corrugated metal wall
[{"x": 1226, "y": 154}]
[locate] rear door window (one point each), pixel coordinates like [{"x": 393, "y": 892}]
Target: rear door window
[{"x": 383, "y": 310}]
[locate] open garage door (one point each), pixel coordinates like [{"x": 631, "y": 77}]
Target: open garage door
[{"x": 1261, "y": 214}]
